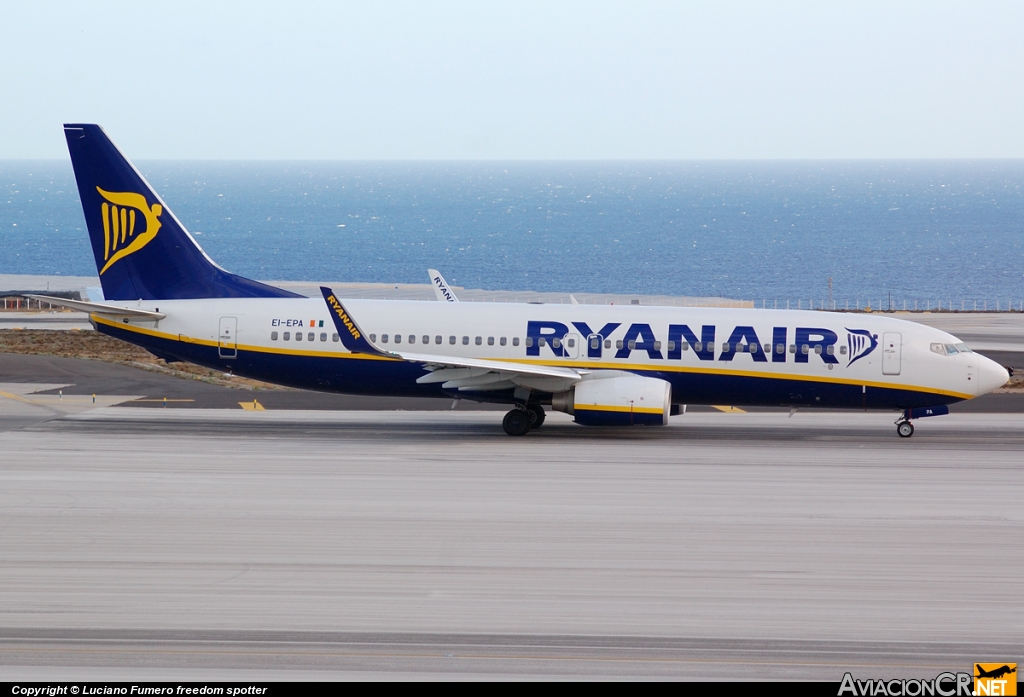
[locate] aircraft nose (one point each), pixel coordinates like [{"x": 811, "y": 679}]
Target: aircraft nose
[{"x": 991, "y": 375}]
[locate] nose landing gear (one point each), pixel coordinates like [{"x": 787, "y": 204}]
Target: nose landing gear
[{"x": 904, "y": 428}]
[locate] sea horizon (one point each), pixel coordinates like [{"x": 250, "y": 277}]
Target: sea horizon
[{"x": 921, "y": 229}]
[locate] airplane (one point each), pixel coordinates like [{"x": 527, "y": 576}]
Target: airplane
[
  {"x": 604, "y": 365},
  {"x": 995, "y": 673}
]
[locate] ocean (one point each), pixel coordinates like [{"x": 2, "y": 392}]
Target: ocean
[{"x": 946, "y": 232}]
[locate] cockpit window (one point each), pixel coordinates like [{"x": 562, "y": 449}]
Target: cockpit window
[{"x": 949, "y": 349}]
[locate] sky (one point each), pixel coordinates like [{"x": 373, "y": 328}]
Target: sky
[{"x": 516, "y": 81}]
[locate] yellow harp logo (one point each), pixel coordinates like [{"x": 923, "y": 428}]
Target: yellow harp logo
[{"x": 119, "y": 213}]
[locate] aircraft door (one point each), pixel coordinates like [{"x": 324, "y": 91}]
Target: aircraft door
[
  {"x": 226, "y": 338},
  {"x": 594, "y": 345},
  {"x": 892, "y": 353},
  {"x": 571, "y": 345}
]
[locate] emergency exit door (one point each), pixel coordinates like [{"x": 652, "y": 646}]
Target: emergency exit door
[
  {"x": 226, "y": 338},
  {"x": 892, "y": 353}
]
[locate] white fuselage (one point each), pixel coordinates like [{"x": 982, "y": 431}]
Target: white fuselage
[{"x": 816, "y": 349}]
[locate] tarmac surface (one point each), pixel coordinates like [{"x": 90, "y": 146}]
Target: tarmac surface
[
  {"x": 148, "y": 388},
  {"x": 286, "y": 544}
]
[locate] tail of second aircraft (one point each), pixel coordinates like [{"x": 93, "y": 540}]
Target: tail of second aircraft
[{"x": 141, "y": 250}]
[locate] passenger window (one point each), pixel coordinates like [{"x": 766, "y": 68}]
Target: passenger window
[
  {"x": 437, "y": 339},
  {"x": 780, "y": 348},
  {"x": 298, "y": 336},
  {"x": 504, "y": 341},
  {"x": 398, "y": 338},
  {"x": 335, "y": 337},
  {"x": 542, "y": 341},
  {"x": 607, "y": 343},
  {"x": 830, "y": 350},
  {"x": 571, "y": 343},
  {"x": 323, "y": 336},
  {"x": 412, "y": 338},
  {"x": 631, "y": 344},
  {"x": 273, "y": 336},
  {"x": 529, "y": 342},
  {"x": 805, "y": 349},
  {"x": 383, "y": 338},
  {"x": 792, "y": 348},
  {"x": 618, "y": 343},
  {"x": 515, "y": 341},
  {"x": 479, "y": 340},
  {"x": 767, "y": 348},
  {"x": 556, "y": 342},
  {"x": 426, "y": 339},
  {"x": 725, "y": 347},
  {"x": 451, "y": 340},
  {"x": 595, "y": 344},
  {"x": 373, "y": 338},
  {"x": 490, "y": 341},
  {"x": 699, "y": 346},
  {"x": 842, "y": 350},
  {"x": 287, "y": 336},
  {"x": 465, "y": 341},
  {"x": 817, "y": 349},
  {"x": 657, "y": 345}
]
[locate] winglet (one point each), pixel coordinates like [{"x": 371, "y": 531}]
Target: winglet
[
  {"x": 349, "y": 332},
  {"x": 442, "y": 290}
]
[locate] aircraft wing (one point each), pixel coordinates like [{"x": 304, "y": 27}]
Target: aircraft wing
[
  {"x": 99, "y": 308},
  {"x": 453, "y": 371}
]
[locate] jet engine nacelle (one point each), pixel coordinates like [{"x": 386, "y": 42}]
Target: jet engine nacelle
[{"x": 620, "y": 401}]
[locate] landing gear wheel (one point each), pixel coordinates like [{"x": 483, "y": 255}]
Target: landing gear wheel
[
  {"x": 536, "y": 412},
  {"x": 905, "y": 429},
  {"x": 516, "y": 422}
]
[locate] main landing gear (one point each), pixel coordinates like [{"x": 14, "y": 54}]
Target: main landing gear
[
  {"x": 516, "y": 422},
  {"x": 536, "y": 415},
  {"x": 520, "y": 420}
]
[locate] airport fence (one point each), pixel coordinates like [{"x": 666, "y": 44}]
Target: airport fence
[{"x": 893, "y": 305}]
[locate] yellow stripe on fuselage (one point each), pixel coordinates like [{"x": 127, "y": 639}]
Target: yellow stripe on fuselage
[
  {"x": 609, "y": 407},
  {"x": 589, "y": 365},
  {"x": 241, "y": 347}
]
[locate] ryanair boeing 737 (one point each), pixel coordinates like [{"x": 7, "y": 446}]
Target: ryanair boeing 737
[{"x": 605, "y": 365}]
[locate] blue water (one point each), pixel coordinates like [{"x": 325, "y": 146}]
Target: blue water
[{"x": 923, "y": 230}]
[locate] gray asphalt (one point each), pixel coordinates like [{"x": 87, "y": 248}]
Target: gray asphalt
[
  {"x": 87, "y": 377},
  {"x": 223, "y": 543}
]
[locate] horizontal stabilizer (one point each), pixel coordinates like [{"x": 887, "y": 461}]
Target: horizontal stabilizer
[{"x": 99, "y": 308}]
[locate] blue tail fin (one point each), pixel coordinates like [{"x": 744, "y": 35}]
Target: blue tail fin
[{"x": 142, "y": 251}]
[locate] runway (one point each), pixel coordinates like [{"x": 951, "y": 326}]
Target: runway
[{"x": 223, "y": 543}]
